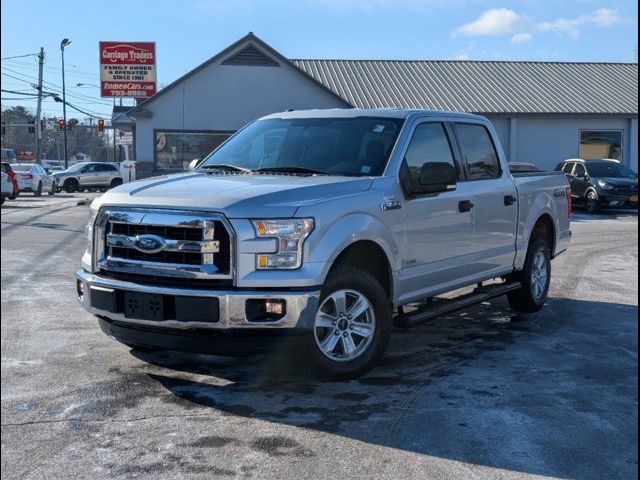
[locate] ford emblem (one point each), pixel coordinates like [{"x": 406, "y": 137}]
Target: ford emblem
[{"x": 149, "y": 243}]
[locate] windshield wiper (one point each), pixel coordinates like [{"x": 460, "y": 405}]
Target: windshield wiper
[
  {"x": 226, "y": 167},
  {"x": 309, "y": 171}
]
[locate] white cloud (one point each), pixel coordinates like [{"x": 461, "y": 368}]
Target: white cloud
[
  {"x": 602, "y": 18},
  {"x": 496, "y": 21},
  {"x": 521, "y": 38}
]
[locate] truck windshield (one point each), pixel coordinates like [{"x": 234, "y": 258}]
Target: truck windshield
[
  {"x": 336, "y": 146},
  {"x": 610, "y": 170}
]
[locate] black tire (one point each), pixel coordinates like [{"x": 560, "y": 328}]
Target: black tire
[
  {"x": 2, "y": 201},
  {"x": 38, "y": 191},
  {"x": 527, "y": 299},
  {"x": 115, "y": 182},
  {"x": 592, "y": 202},
  {"x": 360, "y": 281},
  {"x": 70, "y": 185},
  {"x": 81, "y": 189},
  {"x": 13, "y": 196}
]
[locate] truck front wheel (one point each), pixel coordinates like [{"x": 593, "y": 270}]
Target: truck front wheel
[
  {"x": 351, "y": 327},
  {"x": 535, "y": 278}
]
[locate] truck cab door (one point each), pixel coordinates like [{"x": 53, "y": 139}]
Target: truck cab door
[
  {"x": 438, "y": 226},
  {"x": 495, "y": 200}
]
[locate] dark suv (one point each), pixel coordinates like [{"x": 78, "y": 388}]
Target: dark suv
[{"x": 601, "y": 183}]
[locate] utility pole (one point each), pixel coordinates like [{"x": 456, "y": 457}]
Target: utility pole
[
  {"x": 64, "y": 43},
  {"x": 38, "y": 124}
]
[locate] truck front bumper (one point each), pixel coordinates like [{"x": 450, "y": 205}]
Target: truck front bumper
[{"x": 226, "y": 321}]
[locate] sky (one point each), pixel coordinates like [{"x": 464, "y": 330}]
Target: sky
[{"x": 188, "y": 32}]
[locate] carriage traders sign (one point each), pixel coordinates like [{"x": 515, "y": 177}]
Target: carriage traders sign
[{"x": 128, "y": 69}]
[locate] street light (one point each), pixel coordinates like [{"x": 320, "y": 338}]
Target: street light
[{"x": 65, "y": 42}]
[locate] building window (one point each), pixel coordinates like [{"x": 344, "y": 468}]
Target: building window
[
  {"x": 176, "y": 149},
  {"x": 598, "y": 144}
]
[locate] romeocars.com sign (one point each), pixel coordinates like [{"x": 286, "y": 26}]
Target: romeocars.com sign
[{"x": 128, "y": 69}]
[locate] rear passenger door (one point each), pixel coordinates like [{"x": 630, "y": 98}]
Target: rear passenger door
[
  {"x": 495, "y": 200},
  {"x": 106, "y": 173}
]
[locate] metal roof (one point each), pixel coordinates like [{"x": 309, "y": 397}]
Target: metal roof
[{"x": 481, "y": 86}]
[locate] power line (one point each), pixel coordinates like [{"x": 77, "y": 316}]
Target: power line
[
  {"x": 19, "y": 56},
  {"x": 71, "y": 94}
]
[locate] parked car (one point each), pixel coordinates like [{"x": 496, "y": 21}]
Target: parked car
[
  {"x": 523, "y": 167},
  {"x": 6, "y": 187},
  {"x": 89, "y": 175},
  {"x": 9, "y": 155},
  {"x": 313, "y": 226},
  {"x": 6, "y": 168},
  {"x": 33, "y": 178},
  {"x": 601, "y": 183}
]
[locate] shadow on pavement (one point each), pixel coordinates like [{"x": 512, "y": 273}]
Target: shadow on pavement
[{"x": 551, "y": 394}]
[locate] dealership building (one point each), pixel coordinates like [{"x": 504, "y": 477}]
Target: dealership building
[{"x": 544, "y": 112}]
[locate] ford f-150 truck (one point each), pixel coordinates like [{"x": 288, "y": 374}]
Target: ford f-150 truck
[{"x": 318, "y": 228}]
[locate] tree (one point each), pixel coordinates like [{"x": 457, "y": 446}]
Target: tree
[{"x": 82, "y": 138}]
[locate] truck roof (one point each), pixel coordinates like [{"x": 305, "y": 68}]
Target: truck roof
[{"x": 401, "y": 113}]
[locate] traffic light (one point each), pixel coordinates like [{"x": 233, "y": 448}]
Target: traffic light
[
  {"x": 100, "y": 125},
  {"x": 61, "y": 125},
  {"x": 32, "y": 129}
]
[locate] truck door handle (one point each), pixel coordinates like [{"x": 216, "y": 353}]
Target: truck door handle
[
  {"x": 465, "y": 206},
  {"x": 509, "y": 200}
]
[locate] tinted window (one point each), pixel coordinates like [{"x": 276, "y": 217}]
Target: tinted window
[
  {"x": 478, "y": 151},
  {"x": 579, "y": 170},
  {"x": 429, "y": 144},
  {"x": 567, "y": 168},
  {"x": 105, "y": 168}
]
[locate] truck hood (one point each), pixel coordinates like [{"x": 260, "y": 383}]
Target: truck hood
[{"x": 234, "y": 195}]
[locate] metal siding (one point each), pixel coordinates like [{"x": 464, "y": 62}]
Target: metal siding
[{"x": 481, "y": 87}]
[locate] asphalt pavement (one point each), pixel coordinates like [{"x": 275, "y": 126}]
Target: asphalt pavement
[{"x": 483, "y": 393}]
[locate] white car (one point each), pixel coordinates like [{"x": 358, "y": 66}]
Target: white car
[
  {"x": 33, "y": 178},
  {"x": 6, "y": 186}
]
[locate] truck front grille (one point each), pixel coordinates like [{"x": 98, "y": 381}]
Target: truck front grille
[{"x": 164, "y": 243}]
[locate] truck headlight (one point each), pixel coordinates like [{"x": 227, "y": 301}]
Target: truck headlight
[
  {"x": 604, "y": 185},
  {"x": 290, "y": 235}
]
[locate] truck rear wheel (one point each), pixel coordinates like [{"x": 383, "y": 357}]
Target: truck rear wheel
[
  {"x": 535, "y": 278},
  {"x": 351, "y": 327}
]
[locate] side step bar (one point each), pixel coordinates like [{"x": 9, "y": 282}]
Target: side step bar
[{"x": 434, "y": 309}]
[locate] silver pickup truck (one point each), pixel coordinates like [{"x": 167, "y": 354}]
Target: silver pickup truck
[{"x": 318, "y": 228}]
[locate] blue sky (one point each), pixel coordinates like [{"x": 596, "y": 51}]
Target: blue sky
[{"x": 188, "y": 32}]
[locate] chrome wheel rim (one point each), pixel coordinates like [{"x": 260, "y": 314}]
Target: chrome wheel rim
[
  {"x": 539, "y": 275},
  {"x": 344, "y": 325}
]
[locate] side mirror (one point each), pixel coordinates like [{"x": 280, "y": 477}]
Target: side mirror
[
  {"x": 193, "y": 164},
  {"x": 436, "y": 177}
]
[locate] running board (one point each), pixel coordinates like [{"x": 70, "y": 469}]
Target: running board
[{"x": 434, "y": 309}]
